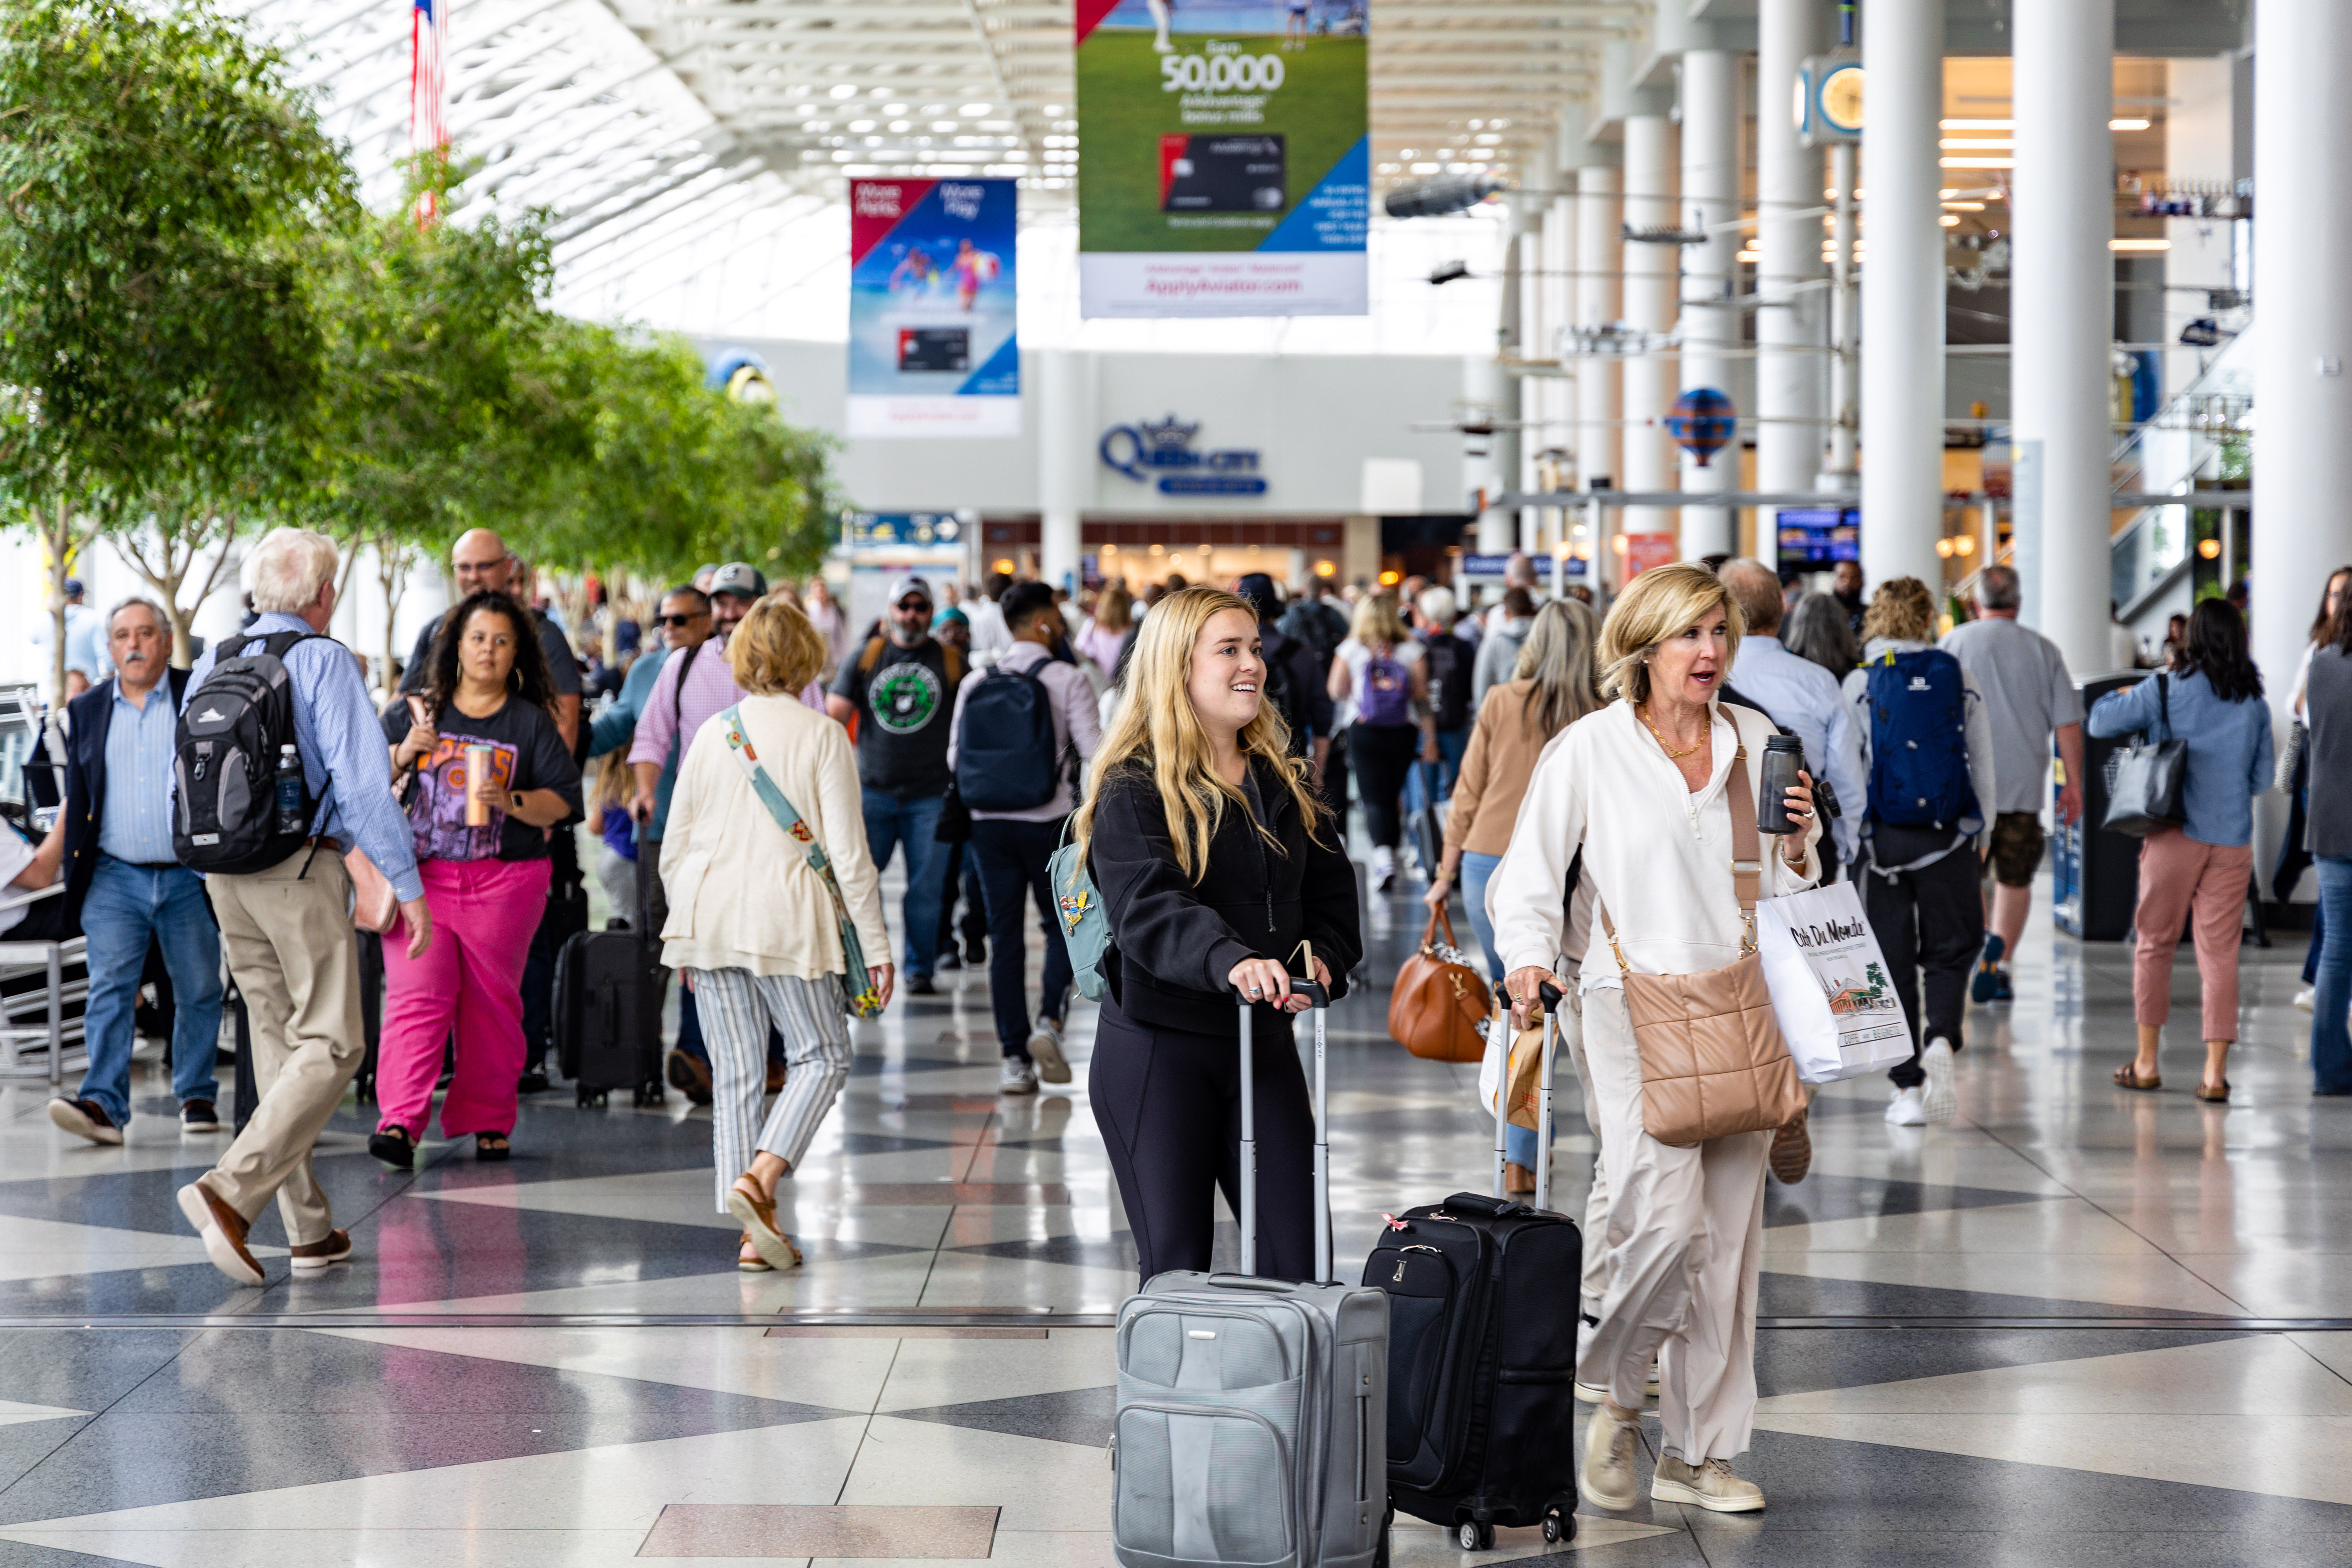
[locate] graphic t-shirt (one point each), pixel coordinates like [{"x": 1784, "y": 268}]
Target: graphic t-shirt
[
  {"x": 526, "y": 752},
  {"x": 904, "y": 709}
]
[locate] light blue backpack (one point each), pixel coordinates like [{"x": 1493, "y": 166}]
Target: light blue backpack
[{"x": 1086, "y": 927}]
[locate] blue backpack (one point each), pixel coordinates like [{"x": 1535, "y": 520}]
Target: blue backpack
[
  {"x": 1919, "y": 741},
  {"x": 1005, "y": 756}
]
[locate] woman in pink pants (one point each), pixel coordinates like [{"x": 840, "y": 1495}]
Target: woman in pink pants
[
  {"x": 2198, "y": 871},
  {"x": 482, "y": 849}
]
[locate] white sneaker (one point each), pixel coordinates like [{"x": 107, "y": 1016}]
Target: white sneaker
[
  {"x": 1908, "y": 1107},
  {"x": 1942, "y": 1103},
  {"x": 2308, "y": 998},
  {"x": 1710, "y": 1486},
  {"x": 1046, "y": 1051},
  {"x": 1610, "y": 1438},
  {"x": 1384, "y": 869},
  {"x": 1020, "y": 1077}
]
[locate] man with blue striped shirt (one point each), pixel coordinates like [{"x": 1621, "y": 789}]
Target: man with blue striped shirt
[
  {"x": 288, "y": 929},
  {"x": 126, "y": 888}
]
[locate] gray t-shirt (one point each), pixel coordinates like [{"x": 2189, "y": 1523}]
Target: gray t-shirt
[{"x": 2028, "y": 693}]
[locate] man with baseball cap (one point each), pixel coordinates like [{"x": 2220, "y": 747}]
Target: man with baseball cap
[{"x": 901, "y": 691}]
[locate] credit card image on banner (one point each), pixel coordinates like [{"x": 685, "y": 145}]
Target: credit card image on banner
[
  {"x": 935, "y": 348},
  {"x": 1221, "y": 175}
]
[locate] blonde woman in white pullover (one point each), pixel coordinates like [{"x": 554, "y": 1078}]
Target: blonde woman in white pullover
[{"x": 1643, "y": 788}]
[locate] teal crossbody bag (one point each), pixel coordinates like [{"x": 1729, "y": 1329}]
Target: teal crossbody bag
[
  {"x": 1085, "y": 929},
  {"x": 858, "y": 993}
]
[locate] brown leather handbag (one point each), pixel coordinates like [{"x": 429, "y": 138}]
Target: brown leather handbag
[
  {"x": 1713, "y": 1061},
  {"x": 1436, "y": 1006}
]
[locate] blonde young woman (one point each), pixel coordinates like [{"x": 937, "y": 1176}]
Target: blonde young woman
[
  {"x": 1215, "y": 864},
  {"x": 751, "y": 926},
  {"x": 1379, "y": 676},
  {"x": 1643, "y": 788},
  {"x": 1554, "y": 684}
]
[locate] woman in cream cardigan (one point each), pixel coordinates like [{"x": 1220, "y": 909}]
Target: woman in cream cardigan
[
  {"x": 753, "y": 927},
  {"x": 1643, "y": 788}
]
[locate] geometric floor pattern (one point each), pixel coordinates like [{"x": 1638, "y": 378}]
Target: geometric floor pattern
[{"x": 2077, "y": 1326}]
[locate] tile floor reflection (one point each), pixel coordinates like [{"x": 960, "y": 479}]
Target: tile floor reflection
[{"x": 2044, "y": 1334}]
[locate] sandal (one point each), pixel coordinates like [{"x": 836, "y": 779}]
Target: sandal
[
  {"x": 748, "y": 1258},
  {"x": 2214, "y": 1093},
  {"x": 492, "y": 1146},
  {"x": 758, "y": 1215},
  {"x": 2127, "y": 1077},
  {"x": 393, "y": 1146}
]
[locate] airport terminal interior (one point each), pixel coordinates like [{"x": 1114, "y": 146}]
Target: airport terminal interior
[{"x": 1361, "y": 295}]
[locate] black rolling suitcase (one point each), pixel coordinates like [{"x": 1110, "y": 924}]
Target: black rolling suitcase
[
  {"x": 1482, "y": 1351},
  {"x": 607, "y": 1020}
]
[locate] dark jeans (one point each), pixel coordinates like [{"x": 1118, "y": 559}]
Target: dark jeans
[
  {"x": 892, "y": 823},
  {"x": 962, "y": 878},
  {"x": 1012, "y": 860},
  {"x": 1169, "y": 1104},
  {"x": 2318, "y": 940},
  {"x": 1929, "y": 920},
  {"x": 2331, "y": 1048},
  {"x": 1382, "y": 755}
]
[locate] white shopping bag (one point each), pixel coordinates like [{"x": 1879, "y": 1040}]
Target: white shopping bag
[{"x": 1831, "y": 992}]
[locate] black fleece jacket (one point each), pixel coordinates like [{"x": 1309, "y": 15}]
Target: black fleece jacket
[{"x": 1175, "y": 940}]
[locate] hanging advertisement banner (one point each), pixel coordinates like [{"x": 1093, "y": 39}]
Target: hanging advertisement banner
[
  {"x": 1224, "y": 160},
  {"x": 932, "y": 347}
]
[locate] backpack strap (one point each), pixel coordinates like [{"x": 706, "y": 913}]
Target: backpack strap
[
  {"x": 954, "y": 657},
  {"x": 872, "y": 656}
]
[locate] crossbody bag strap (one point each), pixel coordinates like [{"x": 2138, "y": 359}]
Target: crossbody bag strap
[
  {"x": 782, "y": 809},
  {"x": 1746, "y": 850}
]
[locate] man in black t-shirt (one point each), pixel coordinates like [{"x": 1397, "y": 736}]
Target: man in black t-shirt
[{"x": 900, "y": 690}]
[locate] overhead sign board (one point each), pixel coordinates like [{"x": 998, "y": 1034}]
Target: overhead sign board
[
  {"x": 1162, "y": 455},
  {"x": 932, "y": 346},
  {"x": 1223, "y": 157}
]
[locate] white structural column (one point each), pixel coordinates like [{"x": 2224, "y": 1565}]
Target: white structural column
[
  {"x": 1534, "y": 334},
  {"x": 1599, "y": 252},
  {"x": 1485, "y": 461},
  {"x": 1903, "y": 291},
  {"x": 1066, "y": 461},
  {"x": 1710, "y": 274},
  {"x": 1558, "y": 432},
  {"x": 2302, "y": 353},
  {"x": 2062, "y": 288},
  {"x": 1793, "y": 313},
  {"x": 1650, "y": 291}
]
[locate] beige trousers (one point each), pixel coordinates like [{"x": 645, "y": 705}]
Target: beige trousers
[
  {"x": 1596, "y": 1201},
  {"x": 1685, "y": 1238},
  {"x": 290, "y": 948}
]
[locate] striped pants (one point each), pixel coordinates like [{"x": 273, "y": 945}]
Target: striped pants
[{"x": 736, "y": 1007}]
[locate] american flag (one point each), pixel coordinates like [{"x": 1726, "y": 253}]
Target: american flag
[{"x": 428, "y": 132}]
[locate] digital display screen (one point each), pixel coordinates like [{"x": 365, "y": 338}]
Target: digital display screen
[{"x": 1812, "y": 537}]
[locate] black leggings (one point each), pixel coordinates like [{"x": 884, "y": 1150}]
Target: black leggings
[
  {"x": 1382, "y": 755},
  {"x": 1929, "y": 922},
  {"x": 1169, "y": 1104}
]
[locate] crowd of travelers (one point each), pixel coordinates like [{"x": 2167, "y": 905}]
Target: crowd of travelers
[{"x": 749, "y": 761}]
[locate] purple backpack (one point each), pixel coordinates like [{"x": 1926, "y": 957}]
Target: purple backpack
[{"x": 1386, "y": 698}]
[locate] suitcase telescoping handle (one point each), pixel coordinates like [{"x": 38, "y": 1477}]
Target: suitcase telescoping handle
[
  {"x": 1549, "y": 996},
  {"x": 1319, "y": 1003}
]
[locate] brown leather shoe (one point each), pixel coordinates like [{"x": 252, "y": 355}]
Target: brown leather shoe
[
  {"x": 1792, "y": 1151},
  {"x": 223, "y": 1229},
  {"x": 319, "y": 1254}
]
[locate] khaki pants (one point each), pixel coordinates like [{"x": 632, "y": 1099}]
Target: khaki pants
[
  {"x": 1595, "y": 1282},
  {"x": 1686, "y": 1242},
  {"x": 290, "y": 945}
]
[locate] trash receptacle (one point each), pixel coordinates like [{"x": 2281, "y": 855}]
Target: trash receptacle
[{"x": 2095, "y": 872}]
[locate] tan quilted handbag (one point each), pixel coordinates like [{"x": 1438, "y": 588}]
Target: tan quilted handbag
[{"x": 1713, "y": 1061}]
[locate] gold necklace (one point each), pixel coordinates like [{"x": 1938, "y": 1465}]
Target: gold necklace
[{"x": 1672, "y": 755}]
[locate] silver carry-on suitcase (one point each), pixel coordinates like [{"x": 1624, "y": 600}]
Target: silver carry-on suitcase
[{"x": 1252, "y": 1425}]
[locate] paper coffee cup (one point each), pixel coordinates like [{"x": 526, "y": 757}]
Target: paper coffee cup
[{"x": 477, "y": 766}]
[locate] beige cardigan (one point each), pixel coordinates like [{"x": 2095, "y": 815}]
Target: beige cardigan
[{"x": 741, "y": 894}]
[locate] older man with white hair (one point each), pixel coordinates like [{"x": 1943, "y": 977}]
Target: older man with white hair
[{"x": 288, "y": 927}]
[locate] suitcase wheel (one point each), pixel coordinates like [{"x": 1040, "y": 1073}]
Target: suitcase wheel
[
  {"x": 1473, "y": 1536},
  {"x": 648, "y": 1094},
  {"x": 588, "y": 1097},
  {"x": 1559, "y": 1525}
]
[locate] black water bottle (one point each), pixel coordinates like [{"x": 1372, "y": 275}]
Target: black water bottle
[
  {"x": 1784, "y": 759},
  {"x": 289, "y": 791}
]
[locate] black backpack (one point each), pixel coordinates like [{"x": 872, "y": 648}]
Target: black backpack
[
  {"x": 225, "y": 764},
  {"x": 1005, "y": 756},
  {"x": 1451, "y": 663}
]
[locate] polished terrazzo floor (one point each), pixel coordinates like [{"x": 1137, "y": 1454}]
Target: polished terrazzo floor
[{"x": 2077, "y": 1327}]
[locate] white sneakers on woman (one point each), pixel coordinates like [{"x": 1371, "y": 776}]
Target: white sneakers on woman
[
  {"x": 1942, "y": 1102},
  {"x": 1610, "y": 1438},
  {"x": 1710, "y": 1486}
]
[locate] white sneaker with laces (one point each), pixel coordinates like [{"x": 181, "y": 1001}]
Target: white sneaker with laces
[
  {"x": 1384, "y": 869},
  {"x": 2308, "y": 998},
  {"x": 1046, "y": 1051},
  {"x": 1942, "y": 1103},
  {"x": 1710, "y": 1486},
  {"x": 1610, "y": 1438},
  {"x": 1020, "y": 1077},
  {"x": 1908, "y": 1107}
]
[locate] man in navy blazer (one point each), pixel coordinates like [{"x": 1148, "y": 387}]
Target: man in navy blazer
[{"x": 126, "y": 888}]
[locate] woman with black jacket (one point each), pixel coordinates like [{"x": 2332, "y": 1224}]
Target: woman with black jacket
[{"x": 1216, "y": 868}]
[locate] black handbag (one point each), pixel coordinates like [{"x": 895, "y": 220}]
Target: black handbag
[{"x": 2145, "y": 779}]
